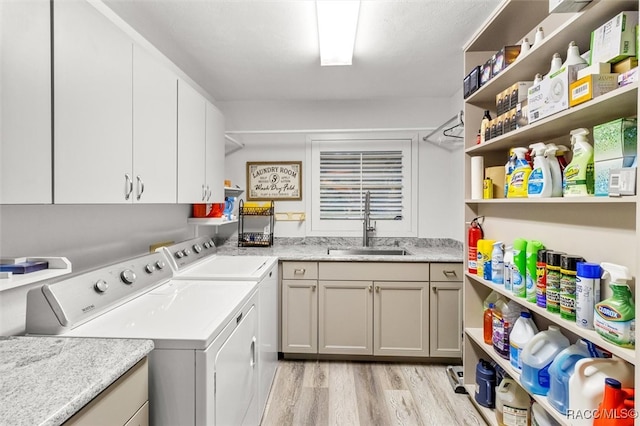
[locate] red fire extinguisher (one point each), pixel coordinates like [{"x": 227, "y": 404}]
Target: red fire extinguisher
[{"x": 475, "y": 234}]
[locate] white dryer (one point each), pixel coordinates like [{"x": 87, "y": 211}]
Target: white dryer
[
  {"x": 197, "y": 259},
  {"x": 203, "y": 370}
]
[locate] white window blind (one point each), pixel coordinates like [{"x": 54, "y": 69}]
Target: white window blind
[{"x": 345, "y": 177}]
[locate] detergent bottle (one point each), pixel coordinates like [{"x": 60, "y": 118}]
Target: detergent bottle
[
  {"x": 561, "y": 370},
  {"x": 615, "y": 318},
  {"x": 537, "y": 357},
  {"x": 523, "y": 331},
  {"x": 504, "y": 317},
  {"x": 531, "y": 266},
  {"x": 579, "y": 174},
  {"x": 519, "y": 178},
  {"x": 555, "y": 167},
  {"x": 497, "y": 263},
  {"x": 587, "y": 384},
  {"x": 617, "y": 406},
  {"x": 519, "y": 268},
  {"x": 512, "y": 404},
  {"x": 540, "y": 183},
  {"x": 508, "y": 169}
]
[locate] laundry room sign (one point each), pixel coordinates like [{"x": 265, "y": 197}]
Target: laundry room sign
[{"x": 268, "y": 180}]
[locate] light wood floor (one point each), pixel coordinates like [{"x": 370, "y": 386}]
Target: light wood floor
[{"x": 365, "y": 393}]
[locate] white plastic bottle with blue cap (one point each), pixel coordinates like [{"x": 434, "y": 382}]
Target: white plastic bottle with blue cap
[
  {"x": 587, "y": 293},
  {"x": 497, "y": 263},
  {"x": 523, "y": 331}
]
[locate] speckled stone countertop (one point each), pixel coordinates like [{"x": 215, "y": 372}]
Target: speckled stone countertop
[
  {"x": 315, "y": 249},
  {"x": 45, "y": 380}
]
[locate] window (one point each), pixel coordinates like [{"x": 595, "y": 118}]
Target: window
[{"x": 343, "y": 170}]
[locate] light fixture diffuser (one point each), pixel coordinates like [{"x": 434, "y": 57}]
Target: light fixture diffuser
[{"x": 337, "y": 26}]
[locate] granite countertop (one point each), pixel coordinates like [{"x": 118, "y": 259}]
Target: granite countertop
[
  {"x": 45, "y": 380},
  {"x": 315, "y": 249}
]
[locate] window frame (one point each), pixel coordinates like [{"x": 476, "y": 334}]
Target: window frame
[{"x": 407, "y": 142}]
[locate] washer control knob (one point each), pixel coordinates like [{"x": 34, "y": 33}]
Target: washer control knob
[
  {"x": 150, "y": 268},
  {"x": 197, "y": 248},
  {"x": 206, "y": 244},
  {"x": 186, "y": 252},
  {"x": 179, "y": 254},
  {"x": 128, "y": 276},
  {"x": 101, "y": 286},
  {"x": 160, "y": 264}
]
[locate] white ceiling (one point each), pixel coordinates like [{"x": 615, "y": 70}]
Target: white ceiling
[{"x": 268, "y": 49}]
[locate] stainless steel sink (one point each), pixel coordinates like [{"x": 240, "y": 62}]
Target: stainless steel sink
[{"x": 367, "y": 252}]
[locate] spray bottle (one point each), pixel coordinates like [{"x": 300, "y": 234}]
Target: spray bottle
[
  {"x": 557, "y": 164},
  {"x": 519, "y": 178},
  {"x": 615, "y": 318},
  {"x": 578, "y": 176},
  {"x": 508, "y": 169},
  {"x": 540, "y": 180}
]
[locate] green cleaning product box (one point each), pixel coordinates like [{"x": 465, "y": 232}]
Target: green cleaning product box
[
  {"x": 615, "y": 139},
  {"x": 615, "y": 40},
  {"x": 602, "y": 171}
]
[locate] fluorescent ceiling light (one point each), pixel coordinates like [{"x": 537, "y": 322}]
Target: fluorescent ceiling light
[{"x": 337, "y": 25}]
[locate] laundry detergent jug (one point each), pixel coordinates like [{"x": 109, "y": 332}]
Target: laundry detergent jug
[
  {"x": 537, "y": 357},
  {"x": 512, "y": 404}
]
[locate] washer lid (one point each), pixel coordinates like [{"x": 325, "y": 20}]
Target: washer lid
[
  {"x": 229, "y": 268},
  {"x": 176, "y": 315}
]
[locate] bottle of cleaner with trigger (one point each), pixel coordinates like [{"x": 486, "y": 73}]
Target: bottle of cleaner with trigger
[
  {"x": 615, "y": 318},
  {"x": 508, "y": 169},
  {"x": 557, "y": 163},
  {"x": 540, "y": 180},
  {"x": 519, "y": 178},
  {"x": 579, "y": 176}
]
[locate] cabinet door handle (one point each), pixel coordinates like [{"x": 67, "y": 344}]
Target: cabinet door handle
[
  {"x": 208, "y": 193},
  {"x": 140, "y": 187},
  {"x": 299, "y": 271},
  {"x": 377, "y": 289},
  {"x": 128, "y": 186},
  {"x": 450, "y": 274},
  {"x": 313, "y": 287},
  {"x": 370, "y": 289},
  {"x": 252, "y": 363}
]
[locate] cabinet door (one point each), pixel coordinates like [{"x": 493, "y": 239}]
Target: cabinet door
[
  {"x": 214, "y": 154},
  {"x": 446, "y": 319},
  {"x": 345, "y": 317},
  {"x": 25, "y": 104},
  {"x": 401, "y": 324},
  {"x": 93, "y": 107},
  {"x": 155, "y": 120},
  {"x": 191, "y": 145},
  {"x": 300, "y": 316}
]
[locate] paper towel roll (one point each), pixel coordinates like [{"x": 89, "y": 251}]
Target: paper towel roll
[{"x": 477, "y": 176}]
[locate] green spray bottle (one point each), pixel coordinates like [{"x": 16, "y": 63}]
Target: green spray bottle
[
  {"x": 578, "y": 179},
  {"x": 533, "y": 246},
  {"x": 615, "y": 318}
]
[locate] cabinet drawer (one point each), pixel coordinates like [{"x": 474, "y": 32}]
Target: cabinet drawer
[
  {"x": 446, "y": 272},
  {"x": 380, "y": 271},
  {"x": 299, "y": 270},
  {"x": 119, "y": 402}
]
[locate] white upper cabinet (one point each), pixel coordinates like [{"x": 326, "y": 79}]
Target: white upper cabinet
[
  {"x": 155, "y": 115},
  {"x": 93, "y": 107},
  {"x": 191, "y": 145},
  {"x": 214, "y": 149},
  {"x": 25, "y": 102}
]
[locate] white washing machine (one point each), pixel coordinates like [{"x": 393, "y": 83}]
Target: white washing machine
[
  {"x": 203, "y": 370},
  {"x": 197, "y": 259}
]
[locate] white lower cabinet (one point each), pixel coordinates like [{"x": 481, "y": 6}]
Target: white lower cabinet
[{"x": 363, "y": 308}]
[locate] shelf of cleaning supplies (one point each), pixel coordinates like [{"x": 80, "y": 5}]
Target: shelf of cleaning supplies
[
  {"x": 577, "y": 27},
  {"x": 476, "y": 335},
  {"x": 488, "y": 414},
  {"x": 210, "y": 221},
  {"x": 609, "y": 106},
  {"x": 558, "y": 200},
  {"x": 628, "y": 355}
]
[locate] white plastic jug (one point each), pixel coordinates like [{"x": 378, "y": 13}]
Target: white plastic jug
[
  {"x": 523, "y": 331},
  {"x": 586, "y": 385},
  {"x": 512, "y": 404},
  {"x": 561, "y": 369},
  {"x": 537, "y": 356},
  {"x": 539, "y": 416}
]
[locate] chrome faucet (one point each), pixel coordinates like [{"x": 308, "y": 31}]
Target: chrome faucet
[{"x": 366, "y": 223}]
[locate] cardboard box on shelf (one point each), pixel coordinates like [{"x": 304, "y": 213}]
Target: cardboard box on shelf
[
  {"x": 518, "y": 92},
  {"x": 602, "y": 170},
  {"x": 503, "y": 58},
  {"x": 624, "y": 65},
  {"x": 628, "y": 77},
  {"x": 597, "y": 68},
  {"x": 471, "y": 82},
  {"x": 485, "y": 73},
  {"x": 615, "y": 40},
  {"x": 622, "y": 181},
  {"x": 615, "y": 139},
  {"x": 496, "y": 174},
  {"x": 550, "y": 96},
  {"x": 522, "y": 114},
  {"x": 591, "y": 87},
  {"x": 566, "y": 6}
]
